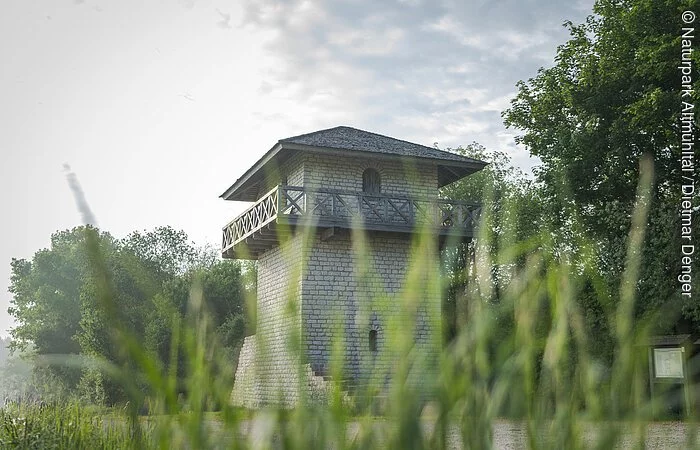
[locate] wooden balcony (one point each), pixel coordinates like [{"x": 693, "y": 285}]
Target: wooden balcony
[{"x": 257, "y": 228}]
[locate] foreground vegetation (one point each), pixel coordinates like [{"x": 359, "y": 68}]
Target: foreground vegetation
[
  {"x": 58, "y": 426},
  {"x": 543, "y": 315},
  {"x": 524, "y": 353},
  {"x": 527, "y": 356},
  {"x": 58, "y": 308}
]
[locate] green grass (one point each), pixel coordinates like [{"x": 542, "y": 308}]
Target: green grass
[
  {"x": 59, "y": 427},
  {"x": 526, "y": 354}
]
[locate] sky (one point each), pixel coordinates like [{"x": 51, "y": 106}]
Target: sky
[{"x": 157, "y": 106}]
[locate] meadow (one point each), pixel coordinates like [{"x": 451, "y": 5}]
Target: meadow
[{"x": 524, "y": 369}]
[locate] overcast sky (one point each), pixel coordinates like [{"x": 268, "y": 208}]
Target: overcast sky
[{"x": 158, "y": 106}]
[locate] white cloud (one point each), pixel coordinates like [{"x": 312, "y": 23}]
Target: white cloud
[
  {"x": 367, "y": 42},
  {"x": 441, "y": 69},
  {"x": 158, "y": 108},
  {"x": 449, "y": 26}
]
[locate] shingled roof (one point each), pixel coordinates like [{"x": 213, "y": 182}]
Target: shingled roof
[{"x": 346, "y": 140}]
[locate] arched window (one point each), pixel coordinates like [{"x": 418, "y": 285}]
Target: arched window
[
  {"x": 373, "y": 340},
  {"x": 371, "y": 182}
]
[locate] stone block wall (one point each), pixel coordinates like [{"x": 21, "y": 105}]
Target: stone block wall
[
  {"x": 247, "y": 389},
  {"x": 348, "y": 297},
  {"x": 292, "y": 171},
  {"x": 337, "y": 294},
  {"x": 278, "y": 324},
  {"x": 315, "y": 171},
  {"x": 398, "y": 177}
]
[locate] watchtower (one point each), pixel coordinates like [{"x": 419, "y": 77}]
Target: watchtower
[{"x": 313, "y": 193}]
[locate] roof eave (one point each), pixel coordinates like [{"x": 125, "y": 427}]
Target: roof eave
[
  {"x": 475, "y": 164},
  {"x": 228, "y": 193},
  {"x": 448, "y": 175},
  {"x": 471, "y": 166}
]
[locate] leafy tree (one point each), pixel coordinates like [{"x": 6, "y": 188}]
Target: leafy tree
[
  {"x": 153, "y": 274},
  {"x": 46, "y": 295},
  {"x": 134, "y": 281},
  {"x": 510, "y": 195},
  {"x": 613, "y": 96},
  {"x": 222, "y": 290},
  {"x": 167, "y": 251},
  {"x": 46, "y": 300},
  {"x": 63, "y": 304}
]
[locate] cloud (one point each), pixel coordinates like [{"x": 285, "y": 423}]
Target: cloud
[{"x": 420, "y": 70}]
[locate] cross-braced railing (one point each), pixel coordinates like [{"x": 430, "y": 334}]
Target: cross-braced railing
[
  {"x": 263, "y": 212},
  {"x": 379, "y": 208},
  {"x": 327, "y": 207}
]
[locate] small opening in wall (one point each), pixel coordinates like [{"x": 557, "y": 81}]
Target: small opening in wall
[
  {"x": 371, "y": 182},
  {"x": 373, "y": 340}
]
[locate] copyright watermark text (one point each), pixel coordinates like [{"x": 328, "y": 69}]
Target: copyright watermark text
[{"x": 687, "y": 161}]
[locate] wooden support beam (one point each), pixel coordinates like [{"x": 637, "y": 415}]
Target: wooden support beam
[{"x": 261, "y": 238}]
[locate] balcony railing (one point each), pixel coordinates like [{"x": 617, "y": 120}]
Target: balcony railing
[{"x": 326, "y": 208}]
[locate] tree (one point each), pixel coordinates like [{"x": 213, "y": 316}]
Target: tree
[
  {"x": 46, "y": 300},
  {"x": 613, "y": 96},
  {"x": 88, "y": 291},
  {"x": 167, "y": 251},
  {"x": 4, "y": 350},
  {"x": 510, "y": 196}
]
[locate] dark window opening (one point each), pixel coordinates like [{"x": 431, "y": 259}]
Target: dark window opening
[
  {"x": 371, "y": 182},
  {"x": 373, "y": 340}
]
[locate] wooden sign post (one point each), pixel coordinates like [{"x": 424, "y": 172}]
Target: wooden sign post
[{"x": 668, "y": 364}]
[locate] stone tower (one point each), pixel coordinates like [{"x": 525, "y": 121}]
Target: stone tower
[{"x": 333, "y": 229}]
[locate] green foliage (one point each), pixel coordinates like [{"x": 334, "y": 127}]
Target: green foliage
[
  {"x": 498, "y": 176},
  {"x": 232, "y": 331},
  {"x": 46, "y": 295},
  {"x": 509, "y": 195},
  {"x": 613, "y": 96},
  {"x": 166, "y": 251},
  {"x": 541, "y": 369},
  {"x": 220, "y": 282},
  {"x": 556, "y": 274},
  {"x": 59, "y": 301},
  {"x": 58, "y": 427}
]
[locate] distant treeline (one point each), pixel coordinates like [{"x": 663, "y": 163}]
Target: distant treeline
[
  {"x": 4, "y": 350},
  {"x": 67, "y": 306}
]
